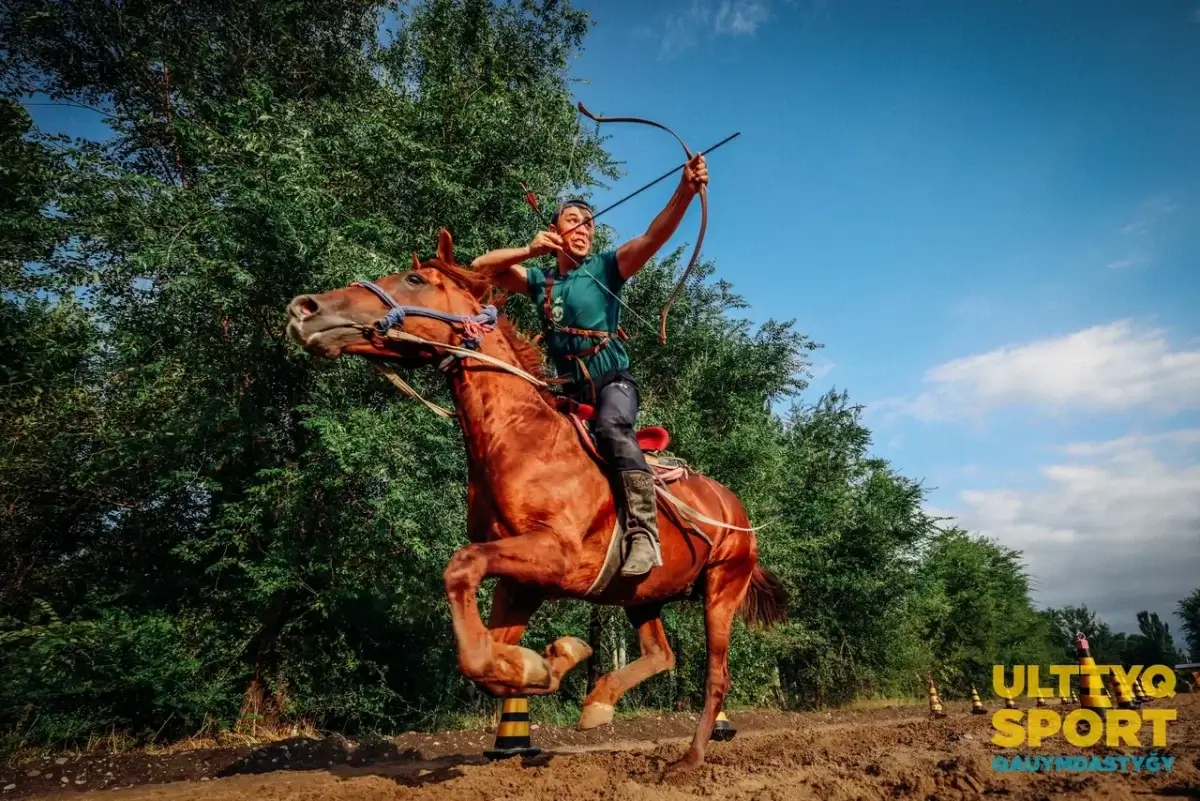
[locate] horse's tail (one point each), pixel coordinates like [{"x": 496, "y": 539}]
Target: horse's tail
[{"x": 766, "y": 600}]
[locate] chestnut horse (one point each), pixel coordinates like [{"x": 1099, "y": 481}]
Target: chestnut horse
[{"x": 540, "y": 511}]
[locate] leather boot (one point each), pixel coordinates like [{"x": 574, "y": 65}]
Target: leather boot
[{"x": 641, "y": 524}]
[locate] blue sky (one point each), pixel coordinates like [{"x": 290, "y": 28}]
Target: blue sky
[{"x": 988, "y": 212}]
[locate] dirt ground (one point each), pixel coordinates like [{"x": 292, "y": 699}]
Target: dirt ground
[{"x": 890, "y": 753}]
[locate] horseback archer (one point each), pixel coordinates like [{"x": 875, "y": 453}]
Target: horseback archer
[{"x": 579, "y": 307}]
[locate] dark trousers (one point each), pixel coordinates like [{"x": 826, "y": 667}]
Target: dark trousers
[{"x": 616, "y": 405}]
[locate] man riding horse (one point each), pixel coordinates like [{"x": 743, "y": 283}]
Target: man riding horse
[{"x": 578, "y": 303}]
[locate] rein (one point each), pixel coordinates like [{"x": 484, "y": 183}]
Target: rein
[{"x": 474, "y": 328}]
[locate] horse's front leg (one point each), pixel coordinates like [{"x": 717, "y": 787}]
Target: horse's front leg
[{"x": 536, "y": 560}]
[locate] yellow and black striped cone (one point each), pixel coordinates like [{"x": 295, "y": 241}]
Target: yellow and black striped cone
[
  {"x": 1062, "y": 701},
  {"x": 1010, "y": 703},
  {"x": 1041, "y": 702},
  {"x": 935, "y": 703},
  {"x": 1091, "y": 689},
  {"x": 976, "y": 704},
  {"x": 722, "y": 728},
  {"x": 1139, "y": 692},
  {"x": 512, "y": 737},
  {"x": 1120, "y": 692},
  {"x": 1074, "y": 697}
]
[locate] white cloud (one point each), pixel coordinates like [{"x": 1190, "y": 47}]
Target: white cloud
[
  {"x": 1140, "y": 237},
  {"x": 1104, "y": 368},
  {"x": 1135, "y": 443},
  {"x": 1124, "y": 264},
  {"x": 1149, "y": 215},
  {"x": 1117, "y": 528},
  {"x": 707, "y": 18},
  {"x": 740, "y": 17},
  {"x": 819, "y": 371}
]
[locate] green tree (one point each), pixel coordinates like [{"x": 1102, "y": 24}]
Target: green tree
[
  {"x": 201, "y": 523},
  {"x": 1189, "y": 612},
  {"x": 1153, "y": 645},
  {"x": 982, "y": 615},
  {"x": 1106, "y": 646}
]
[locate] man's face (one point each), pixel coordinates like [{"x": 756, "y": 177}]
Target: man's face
[{"x": 578, "y": 227}]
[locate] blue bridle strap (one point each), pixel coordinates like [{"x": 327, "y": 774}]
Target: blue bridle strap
[{"x": 472, "y": 325}]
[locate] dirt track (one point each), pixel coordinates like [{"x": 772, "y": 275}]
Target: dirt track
[{"x": 882, "y": 754}]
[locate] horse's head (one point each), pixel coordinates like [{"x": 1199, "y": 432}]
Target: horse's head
[{"x": 436, "y": 302}]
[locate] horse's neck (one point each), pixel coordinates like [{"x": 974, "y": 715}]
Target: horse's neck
[{"x": 508, "y": 427}]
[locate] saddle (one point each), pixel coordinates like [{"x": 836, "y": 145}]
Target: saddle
[{"x": 653, "y": 440}]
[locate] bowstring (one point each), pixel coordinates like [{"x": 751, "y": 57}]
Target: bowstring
[{"x": 565, "y": 184}]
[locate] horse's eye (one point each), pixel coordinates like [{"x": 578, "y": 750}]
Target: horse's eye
[{"x": 415, "y": 279}]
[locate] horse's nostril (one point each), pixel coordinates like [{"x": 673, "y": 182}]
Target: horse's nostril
[{"x": 305, "y": 306}]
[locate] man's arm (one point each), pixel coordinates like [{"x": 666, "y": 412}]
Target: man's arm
[
  {"x": 633, "y": 255},
  {"x": 505, "y": 269},
  {"x": 504, "y": 265}
]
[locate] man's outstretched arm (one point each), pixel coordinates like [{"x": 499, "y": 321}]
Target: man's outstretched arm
[
  {"x": 633, "y": 255},
  {"x": 505, "y": 266}
]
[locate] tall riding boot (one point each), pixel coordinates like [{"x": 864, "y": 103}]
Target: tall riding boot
[{"x": 641, "y": 524}]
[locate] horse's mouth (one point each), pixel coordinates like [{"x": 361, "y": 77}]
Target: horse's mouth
[{"x": 328, "y": 341}]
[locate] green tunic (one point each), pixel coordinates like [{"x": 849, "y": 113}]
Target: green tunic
[{"x": 578, "y": 301}]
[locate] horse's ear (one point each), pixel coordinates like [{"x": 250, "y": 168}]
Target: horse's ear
[
  {"x": 446, "y": 247},
  {"x": 416, "y": 262}
]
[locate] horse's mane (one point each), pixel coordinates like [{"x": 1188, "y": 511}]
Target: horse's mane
[{"x": 482, "y": 286}]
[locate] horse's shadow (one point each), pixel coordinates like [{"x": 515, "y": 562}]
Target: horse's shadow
[{"x": 381, "y": 758}]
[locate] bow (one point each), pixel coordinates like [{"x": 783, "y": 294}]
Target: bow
[{"x": 662, "y": 324}]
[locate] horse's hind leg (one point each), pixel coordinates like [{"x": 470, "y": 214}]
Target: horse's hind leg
[
  {"x": 656, "y": 657},
  {"x": 533, "y": 559},
  {"x": 725, "y": 588}
]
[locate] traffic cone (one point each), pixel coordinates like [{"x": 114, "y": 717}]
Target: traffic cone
[
  {"x": 1010, "y": 703},
  {"x": 935, "y": 704},
  {"x": 1091, "y": 689},
  {"x": 1074, "y": 697},
  {"x": 1139, "y": 692},
  {"x": 1120, "y": 692},
  {"x": 512, "y": 736},
  {"x": 976, "y": 704},
  {"x": 722, "y": 728},
  {"x": 1062, "y": 701},
  {"x": 1041, "y": 702}
]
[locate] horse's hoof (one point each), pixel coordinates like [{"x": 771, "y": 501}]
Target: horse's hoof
[
  {"x": 571, "y": 650},
  {"x": 594, "y": 715},
  {"x": 689, "y": 762},
  {"x": 535, "y": 671}
]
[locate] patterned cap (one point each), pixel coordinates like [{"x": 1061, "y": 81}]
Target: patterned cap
[{"x": 573, "y": 203}]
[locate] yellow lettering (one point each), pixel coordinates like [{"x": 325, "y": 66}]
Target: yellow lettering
[
  {"x": 1035, "y": 688},
  {"x": 1043, "y": 723},
  {"x": 1001, "y": 688},
  {"x": 1126, "y": 679},
  {"x": 1164, "y": 688},
  {"x": 1071, "y": 728},
  {"x": 1121, "y": 728},
  {"x": 1064, "y": 673},
  {"x": 1009, "y": 731},
  {"x": 1158, "y": 721}
]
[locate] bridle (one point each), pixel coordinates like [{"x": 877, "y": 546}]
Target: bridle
[{"x": 473, "y": 327}]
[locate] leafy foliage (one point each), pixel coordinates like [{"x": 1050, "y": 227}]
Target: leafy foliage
[
  {"x": 202, "y": 526},
  {"x": 1189, "y": 611}
]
